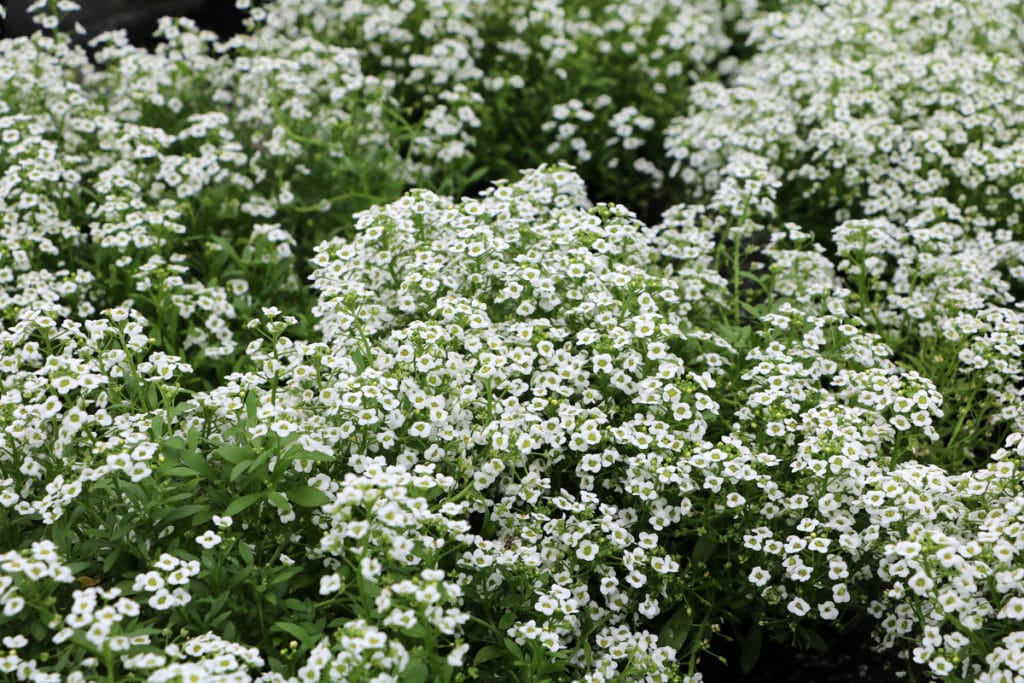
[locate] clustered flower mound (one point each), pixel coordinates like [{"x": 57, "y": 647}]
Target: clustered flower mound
[{"x": 268, "y": 414}]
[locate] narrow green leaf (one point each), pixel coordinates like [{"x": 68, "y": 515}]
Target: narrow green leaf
[
  {"x": 62, "y": 536},
  {"x": 282, "y": 574},
  {"x": 172, "y": 445},
  {"x": 245, "y": 552},
  {"x": 812, "y": 640},
  {"x": 262, "y": 460},
  {"x": 242, "y": 503},
  {"x": 307, "y": 496},
  {"x": 309, "y": 455},
  {"x": 487, "y": 653},
  {"x": 238, "y": 470},
  {"x": 152, "y": 397},
  {"x": 279, "y": 501},
  {"x": 294, "y": 630},
  {"x": 705, "y": 546},
  {"x": 233, "y": 454},
  {"x": 192, "y": 439},
  {"x": 156, "y": 425},
  {"x": 239, "y": 576},
  {"x": 111, "y": 560},
  {"x": 182, "y": 472},
  {"x": 512, "y": 647},
  {"x": 198, "y": 463},
  {"x": 673, "y": 634},
  {"x": 751, "y": 651},
  {"x": 173, "y": 514},
  {"x": 250, "y": 408},
  {"x": 202, "y": 516}
]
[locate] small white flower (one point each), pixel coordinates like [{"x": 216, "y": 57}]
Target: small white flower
[
  {"x": 1013, "y": 609},
  {"x": 798, "y": 606},
  {"x": 222, "y": 522},
  {"x": 758, "y": 576},
  {"x": 13, "y": 605},
  {"x": 209, "y": 539},
  {"x": 329, "y": 584},
  {"x": 587, "y": 550},
  {"x": 457, "y": 654}
]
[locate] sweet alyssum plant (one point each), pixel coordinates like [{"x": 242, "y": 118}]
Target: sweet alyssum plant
[
  {"x": 514, "y": 396},
  {"x": 518, "y": 435}
]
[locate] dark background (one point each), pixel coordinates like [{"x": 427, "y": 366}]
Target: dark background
[{"x": 138, "y": 17}]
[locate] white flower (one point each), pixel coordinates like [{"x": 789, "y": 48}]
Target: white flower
[
  {"x": 162, "y": 599},
  {"x": 587, "y": 550},
  {"x": 13, "y": 605},
  {"x": 759, "y": 576},
  {"x": 457, "y": 654},
  {"x": 209, "y": 539},
  {"x": 1013, "y": 609},
  {"x": 828, "y": 610},
  {"x": 222, "y": 522},
  {"x": 798, "y": 606},
  {"x": 329, "y": 584}
]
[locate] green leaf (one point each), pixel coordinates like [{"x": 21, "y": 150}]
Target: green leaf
[
  {"x": 751, "y": 651},
  {"x": 416, "y": 672},
  {"x": 176, "y": 513},
  {"x": 242, "y": 503},
  {"x": 192, "y": 439},
  {"x": 156, "y": 425},
  {"x": 172, "y": 445},
  {"x": 506, "y": 621},
  {"x": 250, "y": 408},
  {"x": 512, "y": 647},
  {"x": 262, "y": 460},
  {"x": 182, "y": 472},
  {"x": 279, "y": 501},
  {"x": 238, "y": 470},
  {"x": 307, "y": 496},
  {"x": 246, "y": 554},
  {"x": 705, "y": 546},
  {"x": 111, "y": 560},
  {"x": 217, "y": 603},
  {"x": 812, "y": 640},
  {"x": 37, "y": 629},
  {"x": 309, "y": 455},
  {"x": 673, "y": 634},
  {"x": 233, "y": 454},
  {"x": 198, "y": 463},
  {"x": 152, "y": 397},
  {"x": 239, "y": 576},
  {"x": 487, "y": 653},
  {"x": 282, "y": 574},
  {"x": 296, "y": 605},
  {"x": 202, "y": 516},
  {"x": 133, "y": 492},
  {"x": 294, "y": 630},
  {"x": 62, "y": 536}
]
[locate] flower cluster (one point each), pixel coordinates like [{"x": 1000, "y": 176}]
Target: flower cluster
[
  {"x": 267, "y": 414},
  {"x": 499, "y": 86}
]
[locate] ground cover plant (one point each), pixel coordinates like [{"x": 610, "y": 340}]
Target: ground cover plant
[{"x": 533, "y": 341}]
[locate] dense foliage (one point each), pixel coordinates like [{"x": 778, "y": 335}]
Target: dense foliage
[{"x": 267, "y": 412}]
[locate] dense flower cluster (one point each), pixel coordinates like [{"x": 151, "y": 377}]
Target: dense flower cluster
[
  {"x": 267, "y": 414},
  {"x": 512, "y": 83}
]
